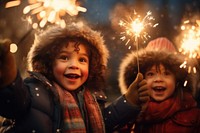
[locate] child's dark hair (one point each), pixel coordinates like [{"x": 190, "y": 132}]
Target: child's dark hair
[
  {"x": 147, "y": 59},
  {"x": 48, "y": 45}
]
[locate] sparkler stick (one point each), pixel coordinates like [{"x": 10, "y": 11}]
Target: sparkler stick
[
  {"x": 50, "y": 11},
  {"x": 135, "y": 28},
  {"x": 136, "y": 41}
]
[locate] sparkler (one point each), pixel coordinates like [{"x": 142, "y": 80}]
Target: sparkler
[
  {"x": 135, "y": 28},
  {"x": 50, "y": 11},
  {"x": 190, "y": 44}
]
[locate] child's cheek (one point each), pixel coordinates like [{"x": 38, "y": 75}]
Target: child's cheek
[{"x": 149, "y": 85}]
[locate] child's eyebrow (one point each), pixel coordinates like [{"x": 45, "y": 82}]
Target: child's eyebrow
[
  {"x": 67, "y": 52},
  {"x": 84, "y": 54},
  {"x": 61, "y": 53}
]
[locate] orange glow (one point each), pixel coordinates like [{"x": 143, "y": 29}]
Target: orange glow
[{"x": 50, "y": 11}]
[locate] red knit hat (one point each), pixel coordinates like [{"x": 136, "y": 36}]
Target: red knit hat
[{"x": 161, "y": 43}]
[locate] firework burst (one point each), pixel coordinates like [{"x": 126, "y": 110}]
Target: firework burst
[
  {"x": 49, "y": 11},
  {"x": 190, "y": 45}
]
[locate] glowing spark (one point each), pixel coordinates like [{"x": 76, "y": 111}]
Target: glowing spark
[
  {"x": 50, "y": 11},
  {"x": 135, "y": 28},
  {"x": 185, "y": 83},
  {"x": 12, "y": 3},
  {"x": 13, "y": 48},
  {"x": 190, "y": 45}
]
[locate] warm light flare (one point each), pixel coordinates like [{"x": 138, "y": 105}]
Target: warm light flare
[
  {"x": 13, "y": 48},
  {"x": 190, "y": 40},
  {"x": 135, "y": 27},
  {"x": 185, "y": 83},
  {"x": 12, "y": 3},
  {"x": 50, "y": 11},
  {"x": 190, "y": 44}
]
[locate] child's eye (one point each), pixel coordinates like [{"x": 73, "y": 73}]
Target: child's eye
[
  {"x": 167, "y": 73},
  {"x": 83, "y": 59},
  {"x": 149, "y": 74},
  {"x": 63, "y": 57}
]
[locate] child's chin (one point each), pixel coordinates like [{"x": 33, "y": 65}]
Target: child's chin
[{"x": 158, "y": 99}]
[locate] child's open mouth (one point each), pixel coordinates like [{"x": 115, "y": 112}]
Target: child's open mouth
[
  {"x": 72, "y": 76},
  {"x": 159, "y": 89}
]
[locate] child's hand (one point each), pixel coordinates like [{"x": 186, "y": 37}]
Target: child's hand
[
  {"x": 137, "y": 93},
  {"x": 8, "y": 69}
]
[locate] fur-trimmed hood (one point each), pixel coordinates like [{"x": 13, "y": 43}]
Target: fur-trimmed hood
[
  {"x": 129, "y": 68},
  {"x": 47, "y": 46},
  {"x": 78, "y": 30}
]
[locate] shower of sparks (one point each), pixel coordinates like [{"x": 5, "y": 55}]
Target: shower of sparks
[
  {"x": 134, "y": 28},
  {"x": 190, "y": 45},
  {"x": 49, "y": 11}
]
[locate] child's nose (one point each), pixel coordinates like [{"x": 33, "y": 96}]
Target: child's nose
[
  {"x": 73, "y": 64},
  {"x": 158, "y": 77}
]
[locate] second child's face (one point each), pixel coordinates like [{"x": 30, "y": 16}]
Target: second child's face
[
  {"x": 71, "y": 67},
  {"x": 161, "y": 83}
]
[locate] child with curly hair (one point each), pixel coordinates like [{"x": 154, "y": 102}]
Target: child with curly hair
[{"x": 64, "y": 92}]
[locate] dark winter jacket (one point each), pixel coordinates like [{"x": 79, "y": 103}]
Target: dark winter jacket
[{"x": 33, "y": 106}]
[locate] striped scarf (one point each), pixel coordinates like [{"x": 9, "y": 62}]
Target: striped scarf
[{"x": 73, "y": 119}]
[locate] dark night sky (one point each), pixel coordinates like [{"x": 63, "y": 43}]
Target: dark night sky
[{"x": 102, "y": 15}]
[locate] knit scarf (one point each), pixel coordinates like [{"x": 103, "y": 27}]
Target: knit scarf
[
  {"x": 74, "y": 121},
  {"x": 159, "y": 111}
]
